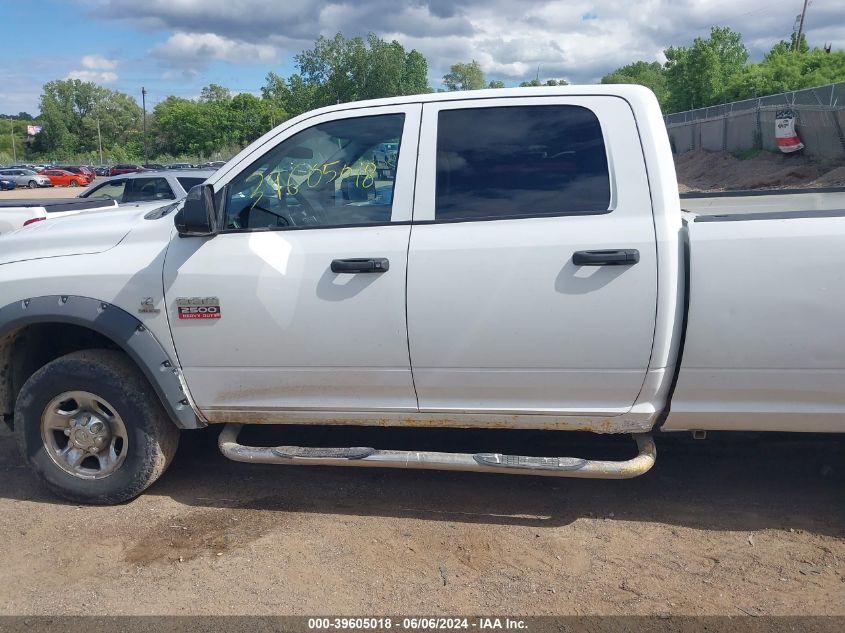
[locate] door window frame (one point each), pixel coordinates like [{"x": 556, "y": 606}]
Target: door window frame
[
  {"x": 403, "y": 185},
  {"x": 604, "y": 107}
]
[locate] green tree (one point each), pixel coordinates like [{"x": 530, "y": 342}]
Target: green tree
[
  {"x": 249, "y": 118},
  {"x": 495, "y": 83},
  {"x": 181, "y": 127},
  {"x": 70, "y": 110},
  {"x": 414, "y": 78},
  {"x": 23, "y": 142},
  {"x": 536, "y": 83},
  {"x": 648, "y": 74},
  {"x": 338, "y": 70},
  {"x": 464, "y": 77},
  {"x": 699, "y": 75},
  {"x": 784, "y": 69},
  {"x": 215, "y": 93}
]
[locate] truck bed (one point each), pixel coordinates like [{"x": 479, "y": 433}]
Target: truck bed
[
  {"x": 14, "y": 213},
  {"x": 770, "y": 201},
  {"x": 764, "y": 346}
]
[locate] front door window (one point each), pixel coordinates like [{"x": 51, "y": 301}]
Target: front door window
[{"x": 338, "y": 173}]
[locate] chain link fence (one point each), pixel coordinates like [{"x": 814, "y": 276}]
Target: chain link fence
[{"x": 750, "y": 124}]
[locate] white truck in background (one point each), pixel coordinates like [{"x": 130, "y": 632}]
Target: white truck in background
[
  {"x": 526, "y": 265},
  {"x": 18, "y": 213}
]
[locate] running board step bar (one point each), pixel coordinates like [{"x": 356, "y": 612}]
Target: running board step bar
[{"x": 480, "y": 462}]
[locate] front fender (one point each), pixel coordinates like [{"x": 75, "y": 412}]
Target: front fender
[{"x": 124, "y": 330}]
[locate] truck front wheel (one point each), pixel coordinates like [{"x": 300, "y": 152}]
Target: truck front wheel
[{"x": 93, "y": 429}]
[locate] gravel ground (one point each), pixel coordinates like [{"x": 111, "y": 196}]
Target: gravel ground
[
  {"x": 47, "y": 192},
  {"x": 720, "y": 527}
]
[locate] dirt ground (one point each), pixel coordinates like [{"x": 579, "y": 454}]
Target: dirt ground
[
  {"x": 721, "y": 171},
  {"x": 47, "y": 192},
  {"x": 721, "y": 527}
]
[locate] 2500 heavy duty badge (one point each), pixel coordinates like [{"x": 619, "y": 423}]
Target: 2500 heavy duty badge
[{"x": 198, "y": 307}]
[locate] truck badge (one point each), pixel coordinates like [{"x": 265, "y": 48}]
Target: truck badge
[
  {"x": 148, "y": 306},
  {"x": 198, "y": 307}
]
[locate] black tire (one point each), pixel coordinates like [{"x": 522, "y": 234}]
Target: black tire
[
  {"x": 151, "y": 437},
  {"x": 73, "y": 183},
  {"x": 32, "y": 184}
]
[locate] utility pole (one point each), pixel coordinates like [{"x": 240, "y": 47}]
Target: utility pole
[
  {"x": 801, "y": 26},
  {"x": 14, "y": 151},
  {"x": 99, "y": 141},
  {"x": 144, "y": 106}
]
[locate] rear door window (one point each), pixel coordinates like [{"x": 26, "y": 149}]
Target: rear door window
[
  {"x": 145, "y": 189},
  {"x": 520, "y": 161}
]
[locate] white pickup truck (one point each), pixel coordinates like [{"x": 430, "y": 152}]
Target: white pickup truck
[
  {"x": 525, "y": 265},
  {"x": 16, "y": 214}
]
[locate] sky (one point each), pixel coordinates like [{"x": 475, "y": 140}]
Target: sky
[{"x": 174, "y": 47}]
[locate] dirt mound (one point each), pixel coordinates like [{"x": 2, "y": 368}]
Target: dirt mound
[{"x": 722, "y": 171}]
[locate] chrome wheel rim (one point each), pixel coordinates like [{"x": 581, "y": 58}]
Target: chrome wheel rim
[{"x": 84, "y": 435}]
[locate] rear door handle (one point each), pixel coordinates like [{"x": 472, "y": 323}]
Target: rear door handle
[
  {"x": 361, "y": 265},
  {"x": 619, "y": 257}
]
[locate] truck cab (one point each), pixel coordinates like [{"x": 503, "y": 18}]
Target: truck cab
[{"x": 511, "y": 258}]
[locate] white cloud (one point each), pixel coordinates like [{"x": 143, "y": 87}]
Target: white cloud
[
  {"x": 195, "y": 50},
  {"x": 98, "y": 62},
  {"x": 95, "y": 68},
  {"x": 96, "y": 76},
  {"x": 575, "y": 39}
]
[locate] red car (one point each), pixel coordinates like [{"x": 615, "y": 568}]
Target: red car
[
  {"x": 64, "y": 178},
  {"x": 81, "y": 169}
]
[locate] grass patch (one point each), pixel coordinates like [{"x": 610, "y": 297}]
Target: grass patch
[{"x": 747, "y": 154}]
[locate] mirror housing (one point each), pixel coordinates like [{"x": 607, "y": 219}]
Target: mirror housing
[{"x": 198, "y": 216}]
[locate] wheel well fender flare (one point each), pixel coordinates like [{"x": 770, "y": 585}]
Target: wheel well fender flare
[{"x": 124, "y": 330}]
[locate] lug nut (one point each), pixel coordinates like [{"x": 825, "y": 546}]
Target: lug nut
[{"x": 96, "y": 427}]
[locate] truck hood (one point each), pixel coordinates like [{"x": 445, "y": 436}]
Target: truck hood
[{"x": 81, "y": 234}]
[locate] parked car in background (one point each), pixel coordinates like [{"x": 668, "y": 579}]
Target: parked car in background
[
  {"x": 78, "y": 169},
  {"x": 65, "y": 178},
  {"x": 214, "y": 164},
  {"x": 125, "y": 168},
  {"x": 102, "y": 170},
  {"x": 148, "y": 186},
  {"x": 25, "y": 178},
  {"x": 6, "y": 185},
  {"x": 180, "y": 166},
  {"x": 153, "y": 166}
]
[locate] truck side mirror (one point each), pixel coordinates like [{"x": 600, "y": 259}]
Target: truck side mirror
[{"x": 198, "y": 216}]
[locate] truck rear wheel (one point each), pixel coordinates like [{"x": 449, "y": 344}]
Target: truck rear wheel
[{"x": 93, "y": 429}]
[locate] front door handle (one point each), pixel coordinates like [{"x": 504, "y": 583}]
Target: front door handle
[
  {"x": 618, "y": 257},
  {"x": 361, "y": 265}
]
